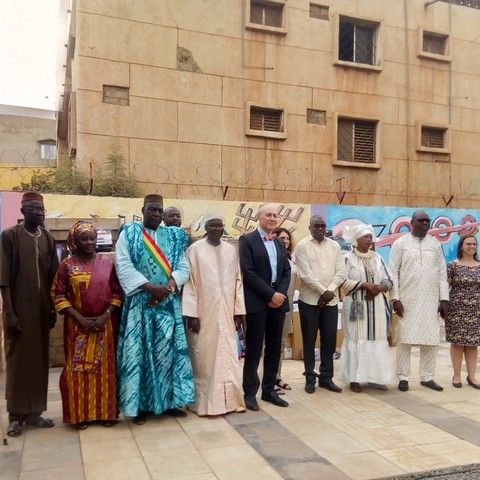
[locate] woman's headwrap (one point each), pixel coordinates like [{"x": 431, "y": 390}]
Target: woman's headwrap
[
  {"x": 352, "y": 232},
  {"x": 75, "y": 231}
]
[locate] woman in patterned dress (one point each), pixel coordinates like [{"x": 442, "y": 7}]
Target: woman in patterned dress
[
  {"x": 87, "y": 292},
  {"x": 463, "y": 324},
  {"x": 365, "y": 356}
]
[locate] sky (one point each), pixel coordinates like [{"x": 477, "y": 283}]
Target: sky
[{"x": 28, "y": 50}]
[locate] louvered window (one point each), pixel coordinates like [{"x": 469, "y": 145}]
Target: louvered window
[
  {"x": 357, "y": 42},
  {"x": 266, "y": 120},
  {"x": 356, "y": 141},
  {"x": 433, "y": 137}
]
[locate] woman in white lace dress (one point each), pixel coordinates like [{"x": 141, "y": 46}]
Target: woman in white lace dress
[{"x": 365, "y": 354}]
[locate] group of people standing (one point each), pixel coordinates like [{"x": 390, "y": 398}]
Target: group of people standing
[{"x": 156, "y": 330}]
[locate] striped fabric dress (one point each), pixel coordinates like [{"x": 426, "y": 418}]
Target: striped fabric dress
[
  {"x": 153, "y": 365},
  {"x": 87, "y": 382}
]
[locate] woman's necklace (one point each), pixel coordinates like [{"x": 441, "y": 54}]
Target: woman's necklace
[{"x": 367, "y": 259}]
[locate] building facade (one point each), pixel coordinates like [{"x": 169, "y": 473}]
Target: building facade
[{"x": 368, "y": 102}]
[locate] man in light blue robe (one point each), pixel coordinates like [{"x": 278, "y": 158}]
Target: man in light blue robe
[{"x": 154, "y": 373}]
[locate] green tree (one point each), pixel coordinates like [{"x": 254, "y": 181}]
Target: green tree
[
  {"x": 70, "y": 179},
  {"x": 66, "y": 178},
  {"x": 40, "y": 181},
  {"x": 115, "y": 181}
]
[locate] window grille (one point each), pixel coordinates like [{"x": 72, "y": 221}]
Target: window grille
[
  {"x": 433, "y": 137},
  {"x": 266, "y": 120},
  {"x": 356, "y": 42},
  {"x": 356, "y": 141}
]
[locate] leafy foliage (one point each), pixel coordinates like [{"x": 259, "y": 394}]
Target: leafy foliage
[
  {"x": 67, "y": 178},
  {"x": 115, "y": 181}
]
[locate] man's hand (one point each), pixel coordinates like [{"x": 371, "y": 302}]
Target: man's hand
[
  {"x": 325, "y": 298},
  {"x": 277, "y": 300},
  {"x": 238, "y": 320},
  {"x": 159, "y": 293},
  {"x": 193, "y": 324},
  {"x": 53, "y": 318},
  {"x": 12, "y": 325},
  {"x": 443, "y": 309},
  {"x": 398, "y": 308}
]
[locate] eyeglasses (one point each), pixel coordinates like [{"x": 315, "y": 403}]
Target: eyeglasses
[
  {"x": 318, "y": 225},
  {"x": 423, "y": 220},
  {"x": 217, "y": 226}
]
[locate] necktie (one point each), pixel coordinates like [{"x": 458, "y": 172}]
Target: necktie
[{"x": 270, "y": 236}]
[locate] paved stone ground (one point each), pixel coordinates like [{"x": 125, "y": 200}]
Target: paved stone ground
[
  {"x": 373, "y": 435},
  {"x": 468, "y": 472}
]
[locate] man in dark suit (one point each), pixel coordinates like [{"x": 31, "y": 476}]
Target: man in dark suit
[{"x": 266, "y": 276}]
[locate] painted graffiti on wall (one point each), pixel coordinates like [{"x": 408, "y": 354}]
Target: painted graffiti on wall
[{"x": 390, "y": 223}]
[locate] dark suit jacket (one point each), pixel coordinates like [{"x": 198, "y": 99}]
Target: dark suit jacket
[{"x": 257, "y": 273}]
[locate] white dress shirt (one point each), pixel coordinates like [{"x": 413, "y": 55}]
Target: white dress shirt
[{"x": 320, "y": 267}]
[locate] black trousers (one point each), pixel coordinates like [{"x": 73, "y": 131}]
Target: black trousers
[
  {"x": 324, "y": 319},
  {"x": 266, "y": 326}
]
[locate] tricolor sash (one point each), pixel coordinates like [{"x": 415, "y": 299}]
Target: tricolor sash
[{"x": 157, "y": 255}]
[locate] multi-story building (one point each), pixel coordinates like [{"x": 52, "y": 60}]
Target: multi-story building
[
  {"x": 373, "y": 102},
  {"x": 27, "y": 143}
]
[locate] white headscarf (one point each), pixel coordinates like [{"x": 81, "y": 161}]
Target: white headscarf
[{"x": 352, "y": 232}]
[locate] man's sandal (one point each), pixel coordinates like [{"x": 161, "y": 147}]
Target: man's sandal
[
  {"x": 14, "y": 429},
  {"x": 41, "y": 422},
  {"x": 278, "y": 391},
  {"x": 282, "y": 384}
]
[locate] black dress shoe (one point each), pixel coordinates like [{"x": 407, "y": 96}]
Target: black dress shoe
[
  {"x": 433, "y": 385},
  {"x": 403, "y": 385},
  {"x": 457, "y": 385},
  {"x": 272, "y": 397},
  {"x": 474, "y": 385},
  {"x": 329, "y": 385},
  {"x": 310, "y": 388},
  {"x": 251, "y": 403},
  {"x": 175, "y": 412}
]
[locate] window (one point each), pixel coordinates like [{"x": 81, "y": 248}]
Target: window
[
  {"x": 434, "y": 45},
  {"x": 357, "y": 141},
  {"x": 432, "y": 138},
  {"x": 48, "y": 151},
  {"x": 318, "y": 11},
  {"x": 266, "y": 15},
  {"x": 357, "y": 43},
  {"x": 266, "y": 122},
  {"x": 116, "y": 95}
]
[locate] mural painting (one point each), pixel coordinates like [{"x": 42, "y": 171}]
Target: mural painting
[{"x": 390, "y": 223}]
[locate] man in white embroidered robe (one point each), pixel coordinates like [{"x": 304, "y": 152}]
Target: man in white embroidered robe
[
  {"x": 419, "y": 294},
  {"x": 213, "y": 304}
]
